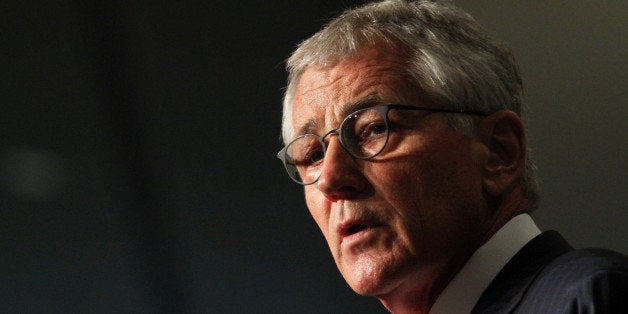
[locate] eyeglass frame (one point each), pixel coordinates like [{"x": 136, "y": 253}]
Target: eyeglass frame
[{"x": 383, "y": 110}]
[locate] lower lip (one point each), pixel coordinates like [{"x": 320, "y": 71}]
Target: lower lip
[{"x": 359, "y": 236}]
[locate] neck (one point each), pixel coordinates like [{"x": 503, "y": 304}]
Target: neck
[
  {"x": 506, "y": 208},
  {"x": 406, "y": 300},
  {"x": 417, "y": 293}
]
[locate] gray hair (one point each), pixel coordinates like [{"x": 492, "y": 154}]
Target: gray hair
[{"x": 450, "y": 58}]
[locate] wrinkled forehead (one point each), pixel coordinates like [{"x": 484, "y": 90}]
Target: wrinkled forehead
[{"x": 325, "y": 95}]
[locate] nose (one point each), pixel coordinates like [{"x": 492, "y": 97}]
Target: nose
[{"x": 341, "y": 176}]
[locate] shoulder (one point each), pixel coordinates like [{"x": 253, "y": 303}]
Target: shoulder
[
  {"x": 587, "y": 280},
  {"x": 584, "y": 263}
]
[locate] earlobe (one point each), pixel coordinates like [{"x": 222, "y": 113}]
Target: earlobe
[{"x": 503, "y": 135}]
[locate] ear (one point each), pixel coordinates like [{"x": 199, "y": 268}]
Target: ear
[{"x": 504, "y": 138}]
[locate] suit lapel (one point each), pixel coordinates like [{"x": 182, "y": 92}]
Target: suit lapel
[{"x": 511, "y": 283}]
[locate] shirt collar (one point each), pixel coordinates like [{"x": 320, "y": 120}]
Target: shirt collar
[{"x": 467, "y": 286}]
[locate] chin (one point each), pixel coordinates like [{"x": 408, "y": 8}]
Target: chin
[{"x": 368, "y": 278}]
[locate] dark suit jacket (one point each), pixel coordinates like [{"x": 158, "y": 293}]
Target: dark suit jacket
[{"x": 549, "y": 276}]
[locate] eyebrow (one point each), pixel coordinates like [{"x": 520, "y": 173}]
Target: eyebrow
[{"x": 370, "y": 100}]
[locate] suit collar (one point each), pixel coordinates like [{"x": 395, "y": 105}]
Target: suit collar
[
  {"x": 464, "y": 290},
  {"x": 510, "y": 284}
]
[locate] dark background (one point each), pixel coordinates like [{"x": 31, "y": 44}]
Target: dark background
[{"x": 138, "y": 140}]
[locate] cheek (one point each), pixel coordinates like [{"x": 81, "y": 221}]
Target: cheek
[
  {"x": 443, "y": 164},
  {"x": 318, "y": 207},
  {"x": 431, "y": 186},
  {"x": 451, "y": 192},
  {"x": 399, "y": 186}
]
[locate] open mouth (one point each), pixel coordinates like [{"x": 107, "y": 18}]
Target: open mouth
[
  {"x": 351, "y": 228},
  {"x": 356, "y": 228}
]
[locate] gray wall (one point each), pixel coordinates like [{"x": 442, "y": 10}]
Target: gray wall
[
  {"x": 573, "y": 57},
  {"x": 137, "y": 168}
]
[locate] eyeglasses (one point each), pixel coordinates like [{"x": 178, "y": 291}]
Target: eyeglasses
[{"x": 363, "y": 134}]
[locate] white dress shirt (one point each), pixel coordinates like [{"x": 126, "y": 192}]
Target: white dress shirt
[{"x": 467, "y": 286}]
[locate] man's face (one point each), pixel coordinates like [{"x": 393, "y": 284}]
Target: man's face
[{"x": 411, "y": 215}]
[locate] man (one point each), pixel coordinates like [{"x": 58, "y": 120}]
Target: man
[{"x": 402, "y": 121}]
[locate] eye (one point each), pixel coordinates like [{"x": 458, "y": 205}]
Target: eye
[
  {"x": 369, "y": 130},
  {"x": 304, "y": 157},
  {"x": 364, "y": 132},
  {"x": 305, "y": 152},
  {"x": 373, "y": 130},
  {"x": 313, "y": 156}
]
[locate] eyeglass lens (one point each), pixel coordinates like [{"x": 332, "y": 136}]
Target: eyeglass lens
[{"x": 363, "y": 134}]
